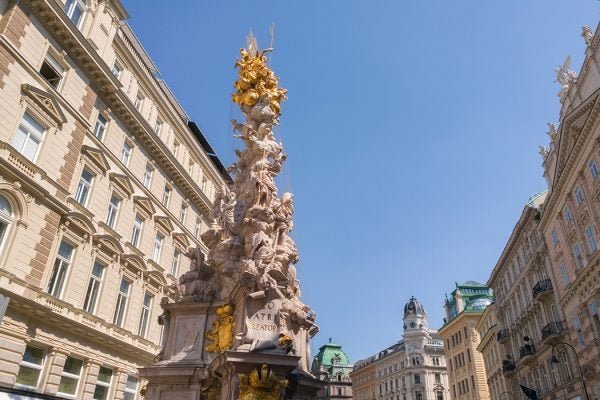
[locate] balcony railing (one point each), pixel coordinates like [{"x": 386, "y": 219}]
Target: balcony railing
[
  {"x": 554, "y": 328},
  {"x": 503, "y": 335},
  {"x": 526, "y": 351},
  {"x": 542, "y": 287}
]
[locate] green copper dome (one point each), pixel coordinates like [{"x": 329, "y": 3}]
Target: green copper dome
[{"x": 331, "y": 354}]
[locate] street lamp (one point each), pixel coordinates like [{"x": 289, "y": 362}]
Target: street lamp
[{"x": 554, "y": 360}]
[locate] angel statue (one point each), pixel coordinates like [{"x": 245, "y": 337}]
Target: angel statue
[
  {"x": 587, "y": 35},
  {"x": 543, "y": 152},
  {"x": 565, "y": 77},
  {"x": 552, "y": 131}
]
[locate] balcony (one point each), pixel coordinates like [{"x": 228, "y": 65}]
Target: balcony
[
  {"x": 508, "y": 367},
  {"x": 552, "y": 332},
  {"x": 526, "y": 353},
  {"x": 503, "y": 335},
  {"x": 542, "y": 289}
]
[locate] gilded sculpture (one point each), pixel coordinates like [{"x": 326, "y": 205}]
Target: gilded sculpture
[
  {"x": 221, "y": 332},
  {"x": 261, "y": 384}
]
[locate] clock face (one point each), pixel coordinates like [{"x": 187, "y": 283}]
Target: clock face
[{"x": 413, "y": 324}]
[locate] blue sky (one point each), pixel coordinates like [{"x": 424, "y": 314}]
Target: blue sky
[{"x": 412, "y": 130}]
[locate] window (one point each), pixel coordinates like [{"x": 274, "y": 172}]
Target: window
[
  {"x": 130, "y": 388},
  {"x": 593, "y": 306},
  {"x": 158, "y": 126},
  {"x": 591, "y": 238},
  {"x": 158, "y": 244},
  {"x": 175, "y": 264},
  {"x": 126, "y": 152},
  {"x": 564, "y": 275},
  {"x": 418, "y": 395},
  {"x": 417, "y": 379},
  {"x": 139, "y": 102},
  {"x": 437, "y": 378},
  {"x": 577, "y": 255},
  {"x": 28, "y": 137},
  {"x": 6, "y": 218},
  {"x": 61, "y": 267},
  {"x": 554, "y": 237},
  {"x": 75, "y": 10},
  {"x": 148, "y": 176},
  {"x": 31, "y": 367},
  {"x": 136, "y": 232},
  {"x": 577, "y": 325},
  {"x": 121, "y": 302},
  {"x": 578, "y": 196},
  {"x": 566, "y": 365},
  {"x": 52, "y": 71},
  {"x": 100, "y": 126},
  {"x": 113, "y": 211},
  {"x": 197, "y": 227},
  {"x": 69, "y": 380},
  {"x": 568, "y": 215},
  {"x": 83, "y": 187},
  {"x": 594, "y": 171},
  {"x": 166, "y": 196},
  {"x": 146, "y": 309},
  {"x": 182, "y": 213},
  {"x": 94, "y": 285},
  {"x": 102, "y": 389},
  {"x": 117, "y": 69}
]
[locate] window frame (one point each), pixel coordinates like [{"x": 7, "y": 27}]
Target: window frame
[
  {"x": 70, "y": 375},
  {"x": 122, "y": 303},
  {"x": 126, "y": 152},
  {"x": 57, "y": 289},
  {"x": 158, "y": 247},
  {"x": 137, "y": 230},
  {"x": 27, "y": 128},
  {"x": 56, "y": 66},
  {"x": 95, "y": 285},
  {"x": 145, "y": 314},
  {"x": 84, "y": 184},
  {"x": 6, "y": 221},
  {"x": 148, "y": 174},
  {"x": 175, "y": 262},
  {"x": 70, "y": 9},
  {"x": 30, "y": 365},
  {"x": 127, "y": 391},
  {"x": 107, "y": 385},
  {"x": 100, "y": 127},
  {"x": 112, "y": 212}
]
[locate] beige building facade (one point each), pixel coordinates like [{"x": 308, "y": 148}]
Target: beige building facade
[
  {"x": 105, "y": 189},
  {"x": 466, "y": 372}
]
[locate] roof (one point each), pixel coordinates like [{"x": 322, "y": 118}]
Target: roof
[{"x": 331, "y": 354}]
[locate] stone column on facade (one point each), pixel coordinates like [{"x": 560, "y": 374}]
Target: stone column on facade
[
  {"x": 89, "y": 379},
  {"x": 56, "y": 361}
]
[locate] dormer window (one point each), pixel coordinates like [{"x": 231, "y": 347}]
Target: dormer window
[
  {"x": 52, "y": 71},
  {"x": 75, "y": 10}
]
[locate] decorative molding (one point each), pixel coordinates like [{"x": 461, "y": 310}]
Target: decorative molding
[{"x": 46, "y": 102}]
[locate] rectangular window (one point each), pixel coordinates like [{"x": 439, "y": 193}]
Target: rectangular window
[
  {"x": 83, "y": 187},
  {"x": 417, "y": 379},
  {"x": 136, "y": 232},
  {"x": 145, "y": 315},
  {"x": 60, "y": 270},
  {"x": 175, "y": 264},
  {"x": 100, "y": 126},
  {"x": 577, "y": 255},
  {"x": 94, "y": 286},
  {"x": 182, "y": 213},
  {"x": 166, "y": 196},
  {"x": 102, "y": 390},
  {"x": 577, "y": 325},
  {"x": 578, "y": 196},
  {"x": 554, "y": 237},
  {"x": 130, "y": 388},
  {"x": 591, "y": 239},
  {"x": 126, "y": 152},
  {"x": 75, "y": 10},
  {"x": 197, "y": 227},
  {"x": 437, "y": 378},
  {"x": 139, "y": 102},
  {"x": 113, "y": 211},
  {"x": 593, "y": 307},
  {"x": 121, "y": 302},
  {"x": 568, "y": 215},
  {"x": 117, "y": 69},
  {"x": 158, "y": 126},
  {"x": 69, "y": 380},
  {"x": 158, "y": 244},
  {"x": 564, "y": 275},
  {"x": 28, "y": 137},
  {"x": 52, "y": 71},
  {"x": 31, "y": 367},
  {"x": 148, "y": 172}
]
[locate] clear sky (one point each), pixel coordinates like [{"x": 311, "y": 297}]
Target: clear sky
[{"x": 412, "y": 129}]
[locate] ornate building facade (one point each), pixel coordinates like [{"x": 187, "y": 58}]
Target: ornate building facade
[
  {"x": 105, "y": 190},
  {"x": 466, "y": 372},
  {"x": 333, "y": 366},
  {"x": 412, "y": 369}
]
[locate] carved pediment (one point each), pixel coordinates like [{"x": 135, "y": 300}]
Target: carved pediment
[
  {"x": 107, "y": 244},
  {"x": 122, "y": 182},
  {"x": 181, "y": 238},
  {"x": 78, "y": 222},
  {"x": 164, "y": 222},
  {"x": 156, "y": 277},
  {"x": 45, "y": 101},
  {"x": 96, "y": 157},
  {"x": 144, "y": 203},
  {"x": 134, "y": 261}
]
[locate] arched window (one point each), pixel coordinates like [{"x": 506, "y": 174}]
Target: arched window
[{"x": 6, "y": 219}]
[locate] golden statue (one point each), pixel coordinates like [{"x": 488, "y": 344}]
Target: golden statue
[
  {"x": 261, "y": 384},
  {"x": 221, "y": 332},
  {"x": 256, "y": 81}
]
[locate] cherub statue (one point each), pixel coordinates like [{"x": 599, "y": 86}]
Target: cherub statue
[
  {"x": 552, "y": 131},
  {"x": 587, "y": 35},
  {"x": 543, "y": 152},
  {"x": 565, "y": 77}
]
